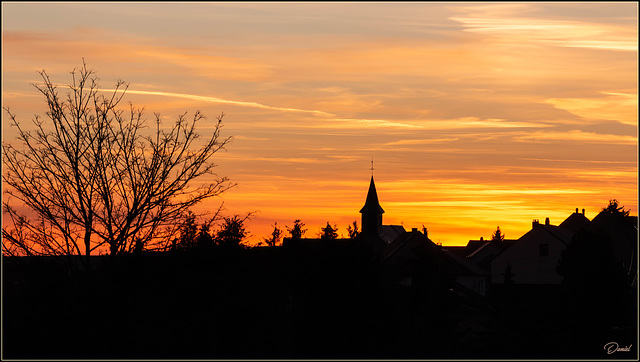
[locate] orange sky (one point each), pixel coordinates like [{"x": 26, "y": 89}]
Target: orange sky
[{"x": 476, "y": 114}]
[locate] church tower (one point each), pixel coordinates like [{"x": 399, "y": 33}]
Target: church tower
[{"x": 371, "y": 211}]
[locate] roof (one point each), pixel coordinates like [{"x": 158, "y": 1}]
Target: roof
[
  {"x": 372, "y": 203},
  {"x": 389, "y": 233},
  {"x": 560, "y": 233},
  {"x": 619, "y": 227},
  {"x": 419, "y": 248},
  {"x": 495, "y": 247},
  {"x": 479, "y": 250},
  {"x": 472, "y": 245},
  {"x": 483, "y": 255},
  {"x": 575, "y": 222},
  {"x": 458, "y": 250},
  {"x": 396, "y": 243},
  {"x": 414, "y": 239},
  {"x": 623, "y": 233},
  {"x": 506, "y": 243},
  {"x": 465, "y": 267}
]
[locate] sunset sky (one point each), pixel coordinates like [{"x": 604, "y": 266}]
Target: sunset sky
[{"x": 476, "y": 115}]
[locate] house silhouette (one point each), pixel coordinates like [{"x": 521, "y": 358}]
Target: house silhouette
[{"x": 533, "y": 258}]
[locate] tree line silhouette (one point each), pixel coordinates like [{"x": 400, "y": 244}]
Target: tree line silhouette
[{"x": 210, "y": 297}]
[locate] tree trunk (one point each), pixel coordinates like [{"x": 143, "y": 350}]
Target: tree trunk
[{"x": 87, "y": 246}]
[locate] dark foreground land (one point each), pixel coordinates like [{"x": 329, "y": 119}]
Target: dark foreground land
[{"x": 290, "y": 302}]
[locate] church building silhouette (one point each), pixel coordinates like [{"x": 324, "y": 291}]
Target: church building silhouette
[
  {"x": 371, "y": 211},
  {"x": 372, "y": 218}
]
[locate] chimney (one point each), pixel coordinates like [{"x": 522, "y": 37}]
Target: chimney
[
  {"x": 576, "y": 210},
  {"x": 546, "y": 221},
  {"x": 535, "y": 223},
  {"x": 414, "y": 230},
  {"x": 582, "y": 211}
]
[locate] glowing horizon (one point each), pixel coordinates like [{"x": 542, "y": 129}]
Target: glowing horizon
[{"x": 477, "y": 115}]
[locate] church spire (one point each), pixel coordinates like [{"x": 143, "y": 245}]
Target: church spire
[{"x": 371, "y": 211}]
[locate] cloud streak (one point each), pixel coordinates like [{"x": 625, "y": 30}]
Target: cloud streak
[
  {"x": 420, "y": 141},
  {"x": 428, "y": 124},
  {"x": 577, "y": 136},
  {"x": 622, "y": 107},
  {"x": 506, "y": 21},
  {"x": 224, "y": 101}
]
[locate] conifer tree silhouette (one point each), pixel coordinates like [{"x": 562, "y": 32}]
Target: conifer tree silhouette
[
  {"x": 328, "y": 232},
  {"x": 296, "y": 231},
  {"x": 497, "y": 235}
]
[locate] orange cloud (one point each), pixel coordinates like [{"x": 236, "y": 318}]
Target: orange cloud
[
  {"x": 622, "y": 107},
  {"x": 421, "y": 141},
  {"x": 507, "y": 24},
  {"x": 577, "y": 136},
  {"x": 110, "y": 49}
]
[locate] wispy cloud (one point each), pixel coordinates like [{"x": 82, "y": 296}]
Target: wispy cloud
[
  {"x": 475, "y": 122},
  {"x": 333, "y": 89},
  {"x": 608, "y": 162},
  {"x": 428, "y": 124},
  {"x": 249, "y": 138},
  {"x": 251, "y": 158},
  {"x": 420, "y": 141},
  {"x": 577, "y": 136},
  {"x": 366, "y": 123},
  {"x": 619, "y": 175},
  {"x": 342, "y": 158},
  {"x": 508, "y": 22},
  {"x": 225, "y": 101},
  {"x": 18, "y": 95},
  {"x": 622, "y": 107}
]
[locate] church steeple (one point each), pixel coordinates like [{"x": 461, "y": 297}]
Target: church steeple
[{"x": 371, "y": 211}]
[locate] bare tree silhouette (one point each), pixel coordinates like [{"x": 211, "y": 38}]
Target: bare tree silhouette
[
  {"x": 276, "y": 236},
  {"x": 353, "y": 231},
  {"x": 94, "y": 175}
]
